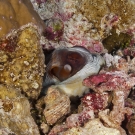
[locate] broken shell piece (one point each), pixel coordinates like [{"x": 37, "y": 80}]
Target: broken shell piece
[
  {"x": 69, "y": 66},
  {"x": 15, "y": 116},
  {"x": 22, "y": 60},
  {"x": 57, "y": 105}
]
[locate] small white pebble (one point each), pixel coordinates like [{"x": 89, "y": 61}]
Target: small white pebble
[
  {"x": 12, "y": 74},
  {"x": 30, "y": 77},
  {"x": 35, "y": 85},
  {"x": 26, "y": 63},
  {"x": 14, "y": 79}
]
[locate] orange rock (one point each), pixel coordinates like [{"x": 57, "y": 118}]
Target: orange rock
[{"x": 15, "y": 13}]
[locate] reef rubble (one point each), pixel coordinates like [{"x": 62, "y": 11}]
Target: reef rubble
[
  {"x": 21, "y": 76},
  {"x": 67, "y": 67}
]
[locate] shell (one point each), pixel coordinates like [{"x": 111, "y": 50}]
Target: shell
[
  {"x": 57, "y": 105},
  {"x": 22, "y": 60},
  {"x": 69, "y": 66}
]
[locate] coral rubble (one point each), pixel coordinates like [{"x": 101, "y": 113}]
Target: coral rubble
[
  {"x": 79, "y": 96},
  {"x": 87, "y": 23},
  {"x": 21, "y": 71},
  {"x": 15, "y": 116},
  {"x": 92, "y": 128},
  {"x": 118, "y": 82},
  {"x": 22, "y": 60}
]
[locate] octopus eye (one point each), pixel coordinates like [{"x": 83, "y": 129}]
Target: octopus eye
[
  {"x": 67, "y": 68},
  {"x": 62, "y": 72}
]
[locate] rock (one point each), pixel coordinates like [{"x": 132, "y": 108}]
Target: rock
[
  {"x": 22, "y": 60},
  {"x": 57, "y": 105}
]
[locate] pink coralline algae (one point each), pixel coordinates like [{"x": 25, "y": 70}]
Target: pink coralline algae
[
  {"x": 54, "y": 29},
  {"x": 74, "y": 28},
  {"x": 110, "y": 81},
  {"x": 95, "y": 47},
  {"x": 120, "y": 84},
  {"x": 57, "y": 129},
  {"x": 129, "y": 51},
  {"x": 79, "y": 32},
  {"x": 66, "y": 9},
  {"x": 95, "y": 101},
  {"x": 91, "y": 104},
  {"x": 109, "y": 21}
]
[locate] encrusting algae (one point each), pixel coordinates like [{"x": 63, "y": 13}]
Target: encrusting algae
[
  {"x": 22, "y": 60},
  {"x": 21, "y": 71},
  {"x": 95, "y": 10},
  {"x": 83, "y": 97}
]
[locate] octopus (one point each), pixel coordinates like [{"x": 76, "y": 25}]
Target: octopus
[{"x": 69, "y": 66}]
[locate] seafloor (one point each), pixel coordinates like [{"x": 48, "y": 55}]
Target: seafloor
[{"x": 67, "y": 67}]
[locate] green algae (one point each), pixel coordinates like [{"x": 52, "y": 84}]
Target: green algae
[{"x": 116, "y": 41}]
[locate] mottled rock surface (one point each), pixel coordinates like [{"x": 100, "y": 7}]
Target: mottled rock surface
[
  {"x": 22, "y": 60},
  {"x": 15, "y": 116}
]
